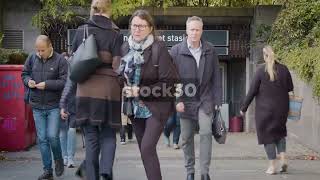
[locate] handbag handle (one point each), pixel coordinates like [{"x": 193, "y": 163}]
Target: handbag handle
[{"x": 85, "y": 32}]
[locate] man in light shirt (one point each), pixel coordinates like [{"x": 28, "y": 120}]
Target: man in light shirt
[{"x": 198, "y": 67}]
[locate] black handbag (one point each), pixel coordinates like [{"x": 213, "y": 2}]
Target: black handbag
[
  {"x": 85, "y": 60},
  {"x": 127, "y": 107},
  {"x": 219, "y": 130}
]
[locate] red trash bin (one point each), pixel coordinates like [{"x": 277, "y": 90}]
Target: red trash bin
[
  {"x": 17, "y": 130},
  {"x": 236, "y": 124}
]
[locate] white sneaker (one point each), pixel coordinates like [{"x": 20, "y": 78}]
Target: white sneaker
[
  {"x": 65, "y": 161},
  {"x": 176, "y": 146},
  {"x": 70, "y": 163},
  {"x": 271, "y": 171}
]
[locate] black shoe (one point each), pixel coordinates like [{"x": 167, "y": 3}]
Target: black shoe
[
  {"x": 107, "y": 177},
  {"x": 190, "y": 176},
  {"x": 59, "y": 167},
  {"x": 130, "y": 132},
  {"x": 284, "y": 168},
  {"x": 47, "y": 175},
  {"x": 80, "y": 172},
  {"x": 123, "y": 135},
  {"x": 205, "y": 177},
  {"x": 123, "y": 141}
]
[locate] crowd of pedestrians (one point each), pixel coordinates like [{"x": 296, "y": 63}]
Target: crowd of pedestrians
[{"x": 134, "y": 76}]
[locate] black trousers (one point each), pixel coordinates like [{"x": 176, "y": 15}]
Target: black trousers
[
  {"x": 126, "y": 129},
  {"x": 148, "y": 132},
  {"x": 99, "y": 141}
]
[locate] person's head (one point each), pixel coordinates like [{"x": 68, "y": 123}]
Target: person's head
[
  {"x": 269, "y": 58},
  {"x": 141, "y": 25},
  {"x": 194, "y": 29},
  {"x": 43, "y": 46},
  {"x": 101, "y": 7}
]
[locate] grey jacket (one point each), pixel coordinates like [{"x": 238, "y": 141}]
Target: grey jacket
[{"x": 206, "y": 79}]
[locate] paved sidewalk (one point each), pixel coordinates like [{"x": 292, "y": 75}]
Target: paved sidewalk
[{"x": 241, "y": 158}]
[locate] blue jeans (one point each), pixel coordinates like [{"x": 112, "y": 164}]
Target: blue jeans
[
  {"x": 173, "y": 123},
  {"x": 67, "y": 139},
  {"x": 47, "y": 125}
]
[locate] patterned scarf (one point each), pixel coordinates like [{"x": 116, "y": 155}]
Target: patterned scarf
[{"x": 134, "y": 59}]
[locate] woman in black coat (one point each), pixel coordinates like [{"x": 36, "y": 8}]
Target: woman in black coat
[
  {"x": 98, "y": 99},
  {"x": 270, "y": 87}
]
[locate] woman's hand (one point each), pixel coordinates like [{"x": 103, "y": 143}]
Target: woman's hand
[
  {"x": 242, "y": 113},
  {"x": 135, "y": 91}
]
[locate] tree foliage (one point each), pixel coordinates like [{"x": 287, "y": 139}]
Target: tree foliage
[
  {"x": 56, "y": 14},
  {"x": 1, "y": 38},
  {"x": 222, "y": 3},
  {"x": 297, "y": 25},
  {"x": 295, "y": 37}
]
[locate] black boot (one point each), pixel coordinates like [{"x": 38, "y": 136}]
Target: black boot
[
  {"x": 205, "y": 177},
  {"x": 130, "y": 131},
  {"x": 190, "y": 176},
  {"x": 81, "y": 173},
  {"x": 59, "y": 167},
  {"x": 47, "y": 175},
  {"x": 107, "y": 176}
]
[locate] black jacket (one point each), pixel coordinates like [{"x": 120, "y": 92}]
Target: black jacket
[
  {"x": 53, "y": 72},
  {"x": 98, "y": 99}
]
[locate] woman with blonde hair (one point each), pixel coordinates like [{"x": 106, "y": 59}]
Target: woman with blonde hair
[
  {"x": 270, "y": 87},
  {"x": 98, "y": 99}
]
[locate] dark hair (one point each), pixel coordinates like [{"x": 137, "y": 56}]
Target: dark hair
[{"x": 145, "y": 15}]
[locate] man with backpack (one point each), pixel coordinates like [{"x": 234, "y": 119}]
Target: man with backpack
[{"x": 45, "y": 73}]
